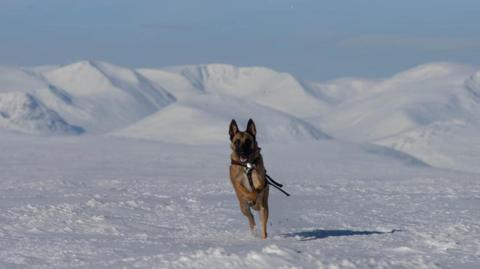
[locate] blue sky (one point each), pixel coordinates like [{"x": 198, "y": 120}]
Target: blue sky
[{"x": 313, "y": 39}]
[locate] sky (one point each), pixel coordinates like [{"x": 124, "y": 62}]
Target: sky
[{"x": 312, "y": 39}]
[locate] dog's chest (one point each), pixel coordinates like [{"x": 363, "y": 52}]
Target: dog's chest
[
  {"x": 240, "y": 177},
  {"x": 244, "y": 180}
]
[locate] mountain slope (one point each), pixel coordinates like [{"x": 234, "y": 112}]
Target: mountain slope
[
  {"x": 204, "y": 120},
  {"x": 19, "y": 79},
  {"x": 107, "y": 96},
  {"x": 451, "y": 142},
  {"x": 411, "y": 99},
  {"x": 416, "y": 112},
  {"x": 280, "y": 91},
  {"x": 24, "y": 113}
]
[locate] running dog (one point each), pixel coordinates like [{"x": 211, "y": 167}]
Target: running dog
[{"x": 248, "y": 174}]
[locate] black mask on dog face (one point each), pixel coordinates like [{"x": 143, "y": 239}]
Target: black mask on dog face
[{"x": 243, "y": 143}]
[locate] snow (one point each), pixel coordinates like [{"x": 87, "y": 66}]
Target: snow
[
  {"x": 408, "y": 100},
  {"x": 255, "y": 84},
  {"x": 18, "y": 79},
  {"x": 101, "y": 202},
  {"x": 415, "y": 111},
  {"x": 411, "y": 111},
  {"x": 22, "y": 112},
  {"x": 107, "y": 96},
  {"x": 105, "y": 166},
  {"x": 206, "y": 117}
]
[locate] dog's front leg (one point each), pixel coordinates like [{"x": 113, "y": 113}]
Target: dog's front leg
[
  {"x": 264, "y": 220},
  {"x": 264, "y": 212},
  {"x": 245, "y": 208}
]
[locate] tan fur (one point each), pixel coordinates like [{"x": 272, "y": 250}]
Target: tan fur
[{"x": 246, "y": 197}]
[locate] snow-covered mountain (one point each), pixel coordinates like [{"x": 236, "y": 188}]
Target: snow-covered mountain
[
  {"x": 19, "y": 79},
  {"x": 106, "y": 96},
  {"x": 280, "y": 91},
  {"x": 414, "y": 98},
  {"x": 103, "y": 98},
  {"x": 360, "y": 158},
  {"x": 417, "y": 112},
  {"x": 414, "y": 111},
  {"x": 23, "y": 112},
  {"x": 202, "y": 120},
  {"x": 97, "y": 96}
]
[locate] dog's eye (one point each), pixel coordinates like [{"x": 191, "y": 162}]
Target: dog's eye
[
  {"x": 248, "y": 142},
  {"x": 237, "y": 142}
]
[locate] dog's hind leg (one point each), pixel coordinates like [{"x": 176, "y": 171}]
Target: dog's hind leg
[{"x": 246, "y": 211}]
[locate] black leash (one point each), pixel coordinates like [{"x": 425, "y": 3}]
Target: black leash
[
  {"x": 277, "y": 185},
  {"x": 269, "y": 179}
]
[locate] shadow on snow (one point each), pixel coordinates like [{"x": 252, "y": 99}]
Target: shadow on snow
[{"x": 320, "y": 234}]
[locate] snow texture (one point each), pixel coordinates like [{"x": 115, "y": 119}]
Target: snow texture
[
  {"x": 383, "y": 173},
  {"x": 94, "y": 202}
]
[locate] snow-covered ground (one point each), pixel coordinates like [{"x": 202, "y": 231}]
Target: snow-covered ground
[
  {"x": 103, "y": 166},
  {"x": 98, "y": 202}
]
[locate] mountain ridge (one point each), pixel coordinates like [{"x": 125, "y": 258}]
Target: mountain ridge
[{"x": 193, "y": 104}]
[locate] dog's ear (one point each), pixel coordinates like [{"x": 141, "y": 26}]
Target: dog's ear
[
  {"x": 251, "y": 129},
  {"x": 233, "y": 129}
]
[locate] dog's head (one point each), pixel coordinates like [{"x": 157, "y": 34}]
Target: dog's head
[{"x": 243, "y": 144}]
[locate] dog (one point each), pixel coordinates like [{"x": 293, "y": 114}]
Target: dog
[{"x": 248, "y": 174}]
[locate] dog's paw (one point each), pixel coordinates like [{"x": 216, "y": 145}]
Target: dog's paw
[{"x": 253, "y": 230}]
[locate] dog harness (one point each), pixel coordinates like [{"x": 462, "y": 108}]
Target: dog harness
[{"x": 249, "y": 167}]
